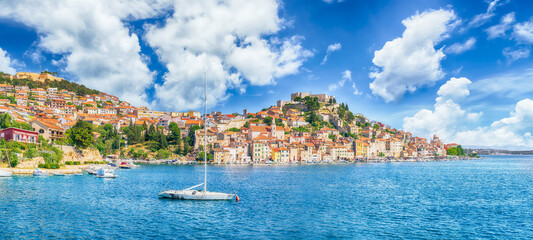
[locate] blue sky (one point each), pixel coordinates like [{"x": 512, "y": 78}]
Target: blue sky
[{"x": 461, "y": 69}]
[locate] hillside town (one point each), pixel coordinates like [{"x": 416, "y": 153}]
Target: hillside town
[{"x": 308, "y": 128}]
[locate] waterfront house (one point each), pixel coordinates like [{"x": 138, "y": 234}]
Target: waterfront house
[
  {"x": 221, "y": 156},
  {"x": 19, "y": 135}
]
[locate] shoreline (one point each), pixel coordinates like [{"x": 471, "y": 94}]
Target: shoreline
[
  {"x": 70, "y": 169},
  {"x": 29, "y": 171},
  {"x": 393, "y": 160}
]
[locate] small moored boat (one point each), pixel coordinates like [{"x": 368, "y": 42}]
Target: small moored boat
[
  {"x": 39, "y": 172},
  {"x": 105, "y": 173},
  {"x": 5, "y": 173}
]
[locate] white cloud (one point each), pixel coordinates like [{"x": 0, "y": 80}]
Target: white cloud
[
  {"x": 332, "y": 1},
  {"x": 483, "y": 18},
  {"x": 231, "y": 40},
  {"x": 513, "y": 55},
  {"x": 516, "y": 84},
  {"x": 455, "y": 88},
  {"x": 500, "y": 29},
  {"x": 447, "y": 114},
  {"x": 96, "y": 46},
  {"x": 6, "y": 65},
  {"x": 449, "y": 120},
  {"x": 458, "y": 48},
  {"x": 458, "y": 70},
  {"x": 346, "y": 77},
  {"x": 513, "y": 132},
  {"x": 411, "y": 61},
  {"x": 331, "y": 48},
  {"x": 480, "y": 19},
  {"x": 523, "y": 32}
]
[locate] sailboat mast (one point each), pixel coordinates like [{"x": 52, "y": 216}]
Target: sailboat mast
[{"x": 205, "y": 131}]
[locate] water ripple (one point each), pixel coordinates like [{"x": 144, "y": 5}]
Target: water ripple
[{"x": 488, "y": 198}]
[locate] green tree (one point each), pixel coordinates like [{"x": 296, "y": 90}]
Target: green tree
[
  {"x": 200, "y": 156},
  {"x": 14, "y": 159},
  {"x": 267, "y": 120},
  {"x": 163, "y": 142},
  {"x": 452, "y": 151},
  {"x": 178, "y": 149},
  {"x": 460, "y": 150},
  {"x": 175, "y": 132},
  {"x": 31, "y": 153},
  {"x": 5, "y": 120},
  {"x": 81, "y": 134},
  {"x": 162, "y": 154},
  {"x": 190, "y": 137}
]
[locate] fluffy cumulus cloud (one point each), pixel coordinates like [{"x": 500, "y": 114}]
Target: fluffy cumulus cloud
[
  {"x": 331, "y": 48},
  {"x": 90, "y": 36},
  {"x": 5, "y": 63},
  {"x": 513, "y": 132},
  {"x": 232, "y": 41},
  {"x": 447, "y": 114},
  {"x": 447, "y": 117},
  {"x": 411, "y": 61},
  {"x": 523, "y": 32},
  {"x": 458, "y": 48},
  {"x": 500, "y": 29}
]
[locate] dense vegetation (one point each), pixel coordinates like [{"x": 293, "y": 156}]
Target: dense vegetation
[
  {"x": 6, "y": 122},
  {"x": 344, "y": 113},
  {"x": 79, "y": 89},
  {"x": 456, "y": 151},
  {"x": 81, "y": 134},
  {"x": 156, "y": 141},
  {"x": 12, "y": 152}
]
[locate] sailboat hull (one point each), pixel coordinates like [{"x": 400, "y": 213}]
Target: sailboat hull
[
  {"x": 5, "y": 174},
  {"x": 196, "y": 195}
]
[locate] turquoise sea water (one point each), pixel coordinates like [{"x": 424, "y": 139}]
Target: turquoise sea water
[{"x": 486, "y": 198}]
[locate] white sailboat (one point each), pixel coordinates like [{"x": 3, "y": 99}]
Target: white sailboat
[{"x": 191, "y": 193}]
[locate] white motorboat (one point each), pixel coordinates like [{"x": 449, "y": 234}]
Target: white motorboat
[
  {"x": 190, "y": 193},
  {"x": 39, "y": 172},
  {"x": 105, "y": 173},
  {"x": 5, "y": 173},
  {"x": 128, "y": 165}
]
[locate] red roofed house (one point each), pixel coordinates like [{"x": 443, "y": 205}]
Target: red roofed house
[{"x": 19, "y": 135}]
